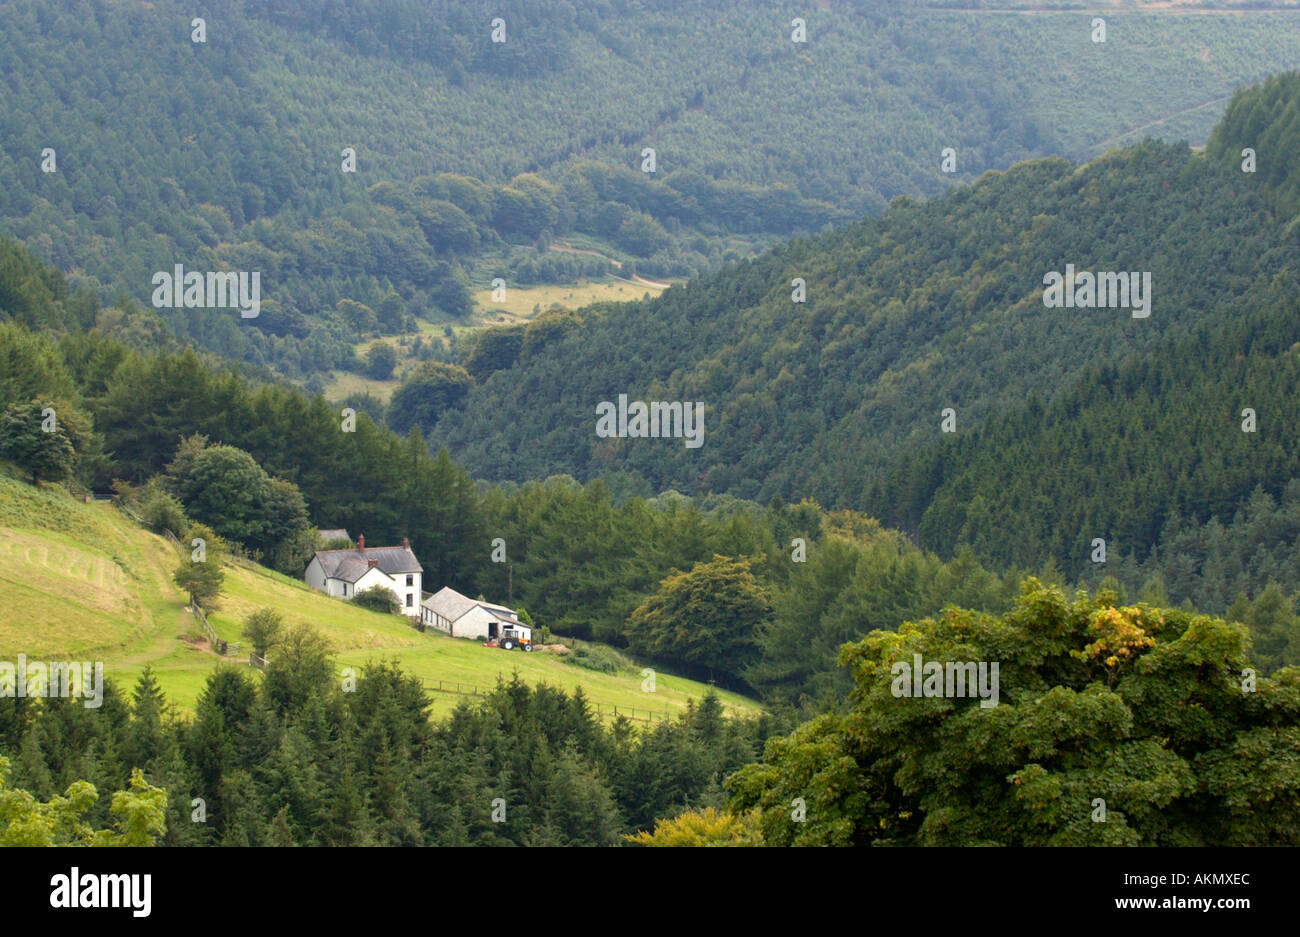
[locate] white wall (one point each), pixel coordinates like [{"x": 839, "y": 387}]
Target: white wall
[
  {"x": 315, "y": 575},
  {"x": 433, "y": 620},
  {"x": 375, "y": 576},
  {"x": 473, "y": 624},
  {"x": 412, "y": 608}
]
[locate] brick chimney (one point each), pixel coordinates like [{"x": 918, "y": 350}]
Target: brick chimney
[
  {"x": 406, "y": 544},
  {"x": 361, "y": 544},
  {"x": 372, "y": 563}
]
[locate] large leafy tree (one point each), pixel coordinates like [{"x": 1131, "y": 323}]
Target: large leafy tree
[
  {"x": 139, "y": 815},
  {"x": 200, "y": 573},
  {"x": 1115, "y": 725},
  {"x": 704, "y": 619},
  {"x": 263, "y": 629},
  {"x": 225, "y": 488},
  {"x": 290, "y": 540},
  {"x": 494, "y": 350},
  {"x": 432, "y": 390},
  {"x": 380, "y": 361},
  {"x": 222, "y": 487},
  {"x": 707, "y": 827},
  {"x": 201, "y": 580}
]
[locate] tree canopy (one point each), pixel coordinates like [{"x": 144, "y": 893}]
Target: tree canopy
[{"x": 1113, "y": 725}]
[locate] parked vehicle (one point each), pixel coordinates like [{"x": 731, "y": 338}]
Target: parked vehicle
[{"x": 512, "y": 638}]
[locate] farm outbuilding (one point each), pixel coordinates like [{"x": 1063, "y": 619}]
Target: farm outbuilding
[{"x": 462, "y": 617}]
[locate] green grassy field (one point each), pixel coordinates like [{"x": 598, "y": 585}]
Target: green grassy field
[
  {"x": 518, "y": 307},
  {"x": 84, "y": 582},
  {"x": 520, "y": 301},
  {"x": 345, "y": 383}
]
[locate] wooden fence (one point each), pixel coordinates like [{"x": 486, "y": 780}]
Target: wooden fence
[{"x": 216, "y": 643}]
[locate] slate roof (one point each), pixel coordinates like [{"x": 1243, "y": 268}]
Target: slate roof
[
  {"x": 351, "y": 565},
  {"x": 347, "y": 569},
  {"x": 449, "y": 604}
]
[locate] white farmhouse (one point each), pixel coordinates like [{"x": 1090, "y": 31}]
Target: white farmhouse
[
  {"x": 462, "y": 617},
  {"x": 344, "y": 573}
]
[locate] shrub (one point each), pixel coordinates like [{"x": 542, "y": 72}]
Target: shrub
[
  {"x": 263, "y": 629},
  {"x": 163, "y": 512},
  {"x": 596, "y": 657},
  {"x": 125, "y": 493},
  {"x": 377, "y": 599}
]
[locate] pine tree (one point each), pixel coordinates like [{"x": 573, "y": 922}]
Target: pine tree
[
  {"x": 26, "y": 440},
  {"x": 144, "y": 741},
  {"x": 279, "y": 834},
  {"x": 1273, "y": 629}
]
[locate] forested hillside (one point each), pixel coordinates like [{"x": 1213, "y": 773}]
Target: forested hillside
[
  {"x": 770, "y": 592},
  {"x": 473, "y": 156},
  {"x": 1029, "y": 415},
  {"x": 1070, "y": 424}
]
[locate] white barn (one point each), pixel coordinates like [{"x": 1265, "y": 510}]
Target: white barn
[
  {"x": 462, "y": 617},
  {"x": 344, "y": 573}
]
